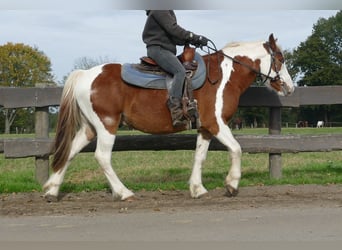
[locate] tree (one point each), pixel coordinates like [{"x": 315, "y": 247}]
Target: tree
[
  {"x": 87, "y": 63},
  {"x": 22, "y": 66},
  {"x": 318, "y": 60}
]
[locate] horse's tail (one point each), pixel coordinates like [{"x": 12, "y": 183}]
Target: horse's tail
[{"x": 69, "y": 121}]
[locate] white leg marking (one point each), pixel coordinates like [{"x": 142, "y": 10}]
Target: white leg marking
[
  {"x": 225, "y": 136},
  {"x": 54, "y": 182},
  {"x": 56, "y": 179},
  {"x": 103, "y": 154},
  {"x": 196, "y": 187}
]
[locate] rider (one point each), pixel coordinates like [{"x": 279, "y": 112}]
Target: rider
[{"x": 161, "y": 35}]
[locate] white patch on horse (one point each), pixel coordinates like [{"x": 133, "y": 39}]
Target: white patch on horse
[
  {"x": 93, "y": 91},
  {"x": 108, "y": 121},
  {"x": 239, "y": 49},
  {"x": 227, "y": 68},
  {"x": 83, "y": 91}
]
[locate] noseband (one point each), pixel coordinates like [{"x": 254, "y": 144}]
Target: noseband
[{"x": 256, "y": 71}]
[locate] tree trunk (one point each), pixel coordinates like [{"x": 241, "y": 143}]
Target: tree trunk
[
  {"x": 9, "y": 118},
  {"x": 7, "y": 126}
]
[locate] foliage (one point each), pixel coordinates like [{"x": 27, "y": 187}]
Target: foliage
[
  {"x": 22, "y": 66},
  {"x": 318, "y": 60}
]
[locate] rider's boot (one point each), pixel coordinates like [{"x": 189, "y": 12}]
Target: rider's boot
[{"x": 175, "y": 106}]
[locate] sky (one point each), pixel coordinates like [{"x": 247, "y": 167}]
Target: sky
[{"x": 65, "y": 35}]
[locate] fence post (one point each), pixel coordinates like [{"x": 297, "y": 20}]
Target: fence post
[
  {"x": 42, "y": 132},
  {"x": 275, "y": 129}
]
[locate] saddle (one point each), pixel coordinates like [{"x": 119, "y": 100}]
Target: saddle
[
  {"x": 147, "y": 74},
  {"x": 147, "y": 64}
]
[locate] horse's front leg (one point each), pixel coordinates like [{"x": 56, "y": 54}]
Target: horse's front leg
[
  {"x": 226, "y": 137},
  {"x": 196, "y": 187}
]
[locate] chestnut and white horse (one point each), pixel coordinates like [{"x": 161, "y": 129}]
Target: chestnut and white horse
[{"x": 95, "y": 100}]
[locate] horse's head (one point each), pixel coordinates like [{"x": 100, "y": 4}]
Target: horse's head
[{"x": 274, "y": 71}]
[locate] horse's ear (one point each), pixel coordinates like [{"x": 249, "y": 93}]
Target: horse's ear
[{"x": 272, "y": 42}]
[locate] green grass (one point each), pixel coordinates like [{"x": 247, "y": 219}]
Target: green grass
[
  {"x": 170, "y": 170},
  {"x": 291, "y": 131},
  {"x": 17, "y": 175}
]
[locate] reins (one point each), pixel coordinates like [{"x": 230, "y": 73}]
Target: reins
[{"x": 258, "y": 72}]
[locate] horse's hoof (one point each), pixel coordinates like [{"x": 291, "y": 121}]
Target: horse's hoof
[
  {"x": 198, "y": 191},
  {"x": 204, "y": 195},
  {"x": 50, "y": 198},
  {"x": 130, "y": 199},
  {"x": 231, "y": 192}
]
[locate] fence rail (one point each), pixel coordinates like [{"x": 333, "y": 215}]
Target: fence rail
[
  {"x": 20, "y": 148},
  {"x": 253, "y": 97},
  {"x": 274, "y": 143}
]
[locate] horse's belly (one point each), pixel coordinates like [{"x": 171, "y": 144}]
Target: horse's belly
[
  {"x": 146, "y": 110},
  {"x": 152, "y": 120}
]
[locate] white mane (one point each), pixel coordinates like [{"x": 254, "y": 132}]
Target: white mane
[
  {"x": 243, "y": 44},
  {"x": 238, "y": 44}
]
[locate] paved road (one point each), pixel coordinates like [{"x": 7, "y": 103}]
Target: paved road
[{"x": 259, "y": 224}]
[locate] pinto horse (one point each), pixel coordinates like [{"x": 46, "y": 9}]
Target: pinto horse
[{"x": 94, "y": 101}]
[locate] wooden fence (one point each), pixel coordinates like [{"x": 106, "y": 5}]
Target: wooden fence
[{"x": 275, "y": 144}]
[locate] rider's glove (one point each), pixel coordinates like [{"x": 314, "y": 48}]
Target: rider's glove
[{"x": 197, "y": 40}]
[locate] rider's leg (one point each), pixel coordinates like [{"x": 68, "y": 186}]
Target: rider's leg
[{"x": 170, "y": 63}]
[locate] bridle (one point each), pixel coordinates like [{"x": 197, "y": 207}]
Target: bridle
[{"x": 267, "y": 76}]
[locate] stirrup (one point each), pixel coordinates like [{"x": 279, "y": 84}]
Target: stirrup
[{"x": 190, "y": 108}]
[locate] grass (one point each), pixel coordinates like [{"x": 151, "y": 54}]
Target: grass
[{"x": 170, "y": 170}]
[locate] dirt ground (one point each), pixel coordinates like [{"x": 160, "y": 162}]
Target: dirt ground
[{"x": 92, "y": 203}]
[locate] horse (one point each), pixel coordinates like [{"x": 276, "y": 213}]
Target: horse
[
  {"x": 94, "y": 101},
  {"x": 320, "y": 124}
]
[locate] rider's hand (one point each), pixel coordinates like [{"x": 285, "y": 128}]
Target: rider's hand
[{"x": 199, "y": 41}]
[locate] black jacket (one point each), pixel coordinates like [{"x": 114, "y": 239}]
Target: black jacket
[{"x": 161, "y": 29}]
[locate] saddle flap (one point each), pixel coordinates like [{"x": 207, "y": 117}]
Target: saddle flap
[
  {"x": 187, "y": 59},
  {"x": 148, "y": 60}
]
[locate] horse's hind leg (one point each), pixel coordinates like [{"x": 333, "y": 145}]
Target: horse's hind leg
[
  {"x": 196, "y": 187},
  {"x": 103, "y": 154},
  {"x": 82, "y": 138}
]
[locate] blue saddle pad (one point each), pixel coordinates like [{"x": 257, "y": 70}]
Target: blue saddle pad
[{"x": 154, "y": 81}]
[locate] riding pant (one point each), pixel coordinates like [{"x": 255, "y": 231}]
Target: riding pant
[{"x": 170, "y": 63}]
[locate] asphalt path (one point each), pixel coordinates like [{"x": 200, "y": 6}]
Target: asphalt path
[{"x": 319, "y": 224}]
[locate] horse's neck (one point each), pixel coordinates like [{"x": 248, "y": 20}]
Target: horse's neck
[{"x": 239, "y": 75}]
